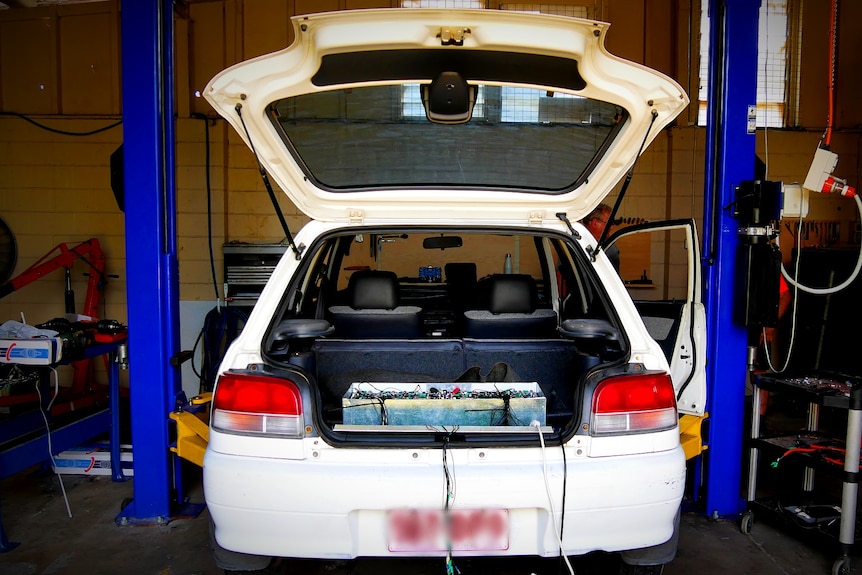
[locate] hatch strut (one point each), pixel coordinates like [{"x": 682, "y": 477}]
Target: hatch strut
[
  {"x": 562, "y": 216},
  {"x": 297, "y": 251},
  {"x": 625, "y": 185}
]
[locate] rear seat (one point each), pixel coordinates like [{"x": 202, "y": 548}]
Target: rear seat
[
  {"x": 373, "y": 309},
  {"x": 510, "y": 311}
]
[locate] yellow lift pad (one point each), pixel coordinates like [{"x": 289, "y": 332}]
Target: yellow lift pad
[
  {"x": 193, "y": 433},
  {"x": 690, "y": 435}
]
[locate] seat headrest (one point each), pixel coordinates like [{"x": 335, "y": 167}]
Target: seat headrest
[
  {"x": 373, "y": 290},
  {"x": 512, "y": 293}
]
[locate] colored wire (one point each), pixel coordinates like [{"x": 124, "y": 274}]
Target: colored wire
[
  {"x": 42, "y": 410},
  {"x": 557, "y": 532},
  {"x": 833, "y": 41},
  {"x": 451, "y": 568}
]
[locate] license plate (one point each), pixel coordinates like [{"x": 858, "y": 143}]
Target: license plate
[{"x": 420, "y": 530}]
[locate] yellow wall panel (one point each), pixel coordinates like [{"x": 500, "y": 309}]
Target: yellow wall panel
[
  {"x": 89, "y": 73},
  {"x": 357, "y": 4},
  {"x": 625, "y": 36},
  {"x": 28, "y": 65},
  {"x": 206, "y": 50},
  {"x": 313, "y": 6},
  {"x": 265, "y": 26}
]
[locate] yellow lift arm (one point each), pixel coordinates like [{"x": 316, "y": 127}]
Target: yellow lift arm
[
  {"x": 193, "y": 432},
  {"x": 690, "y": 435}
]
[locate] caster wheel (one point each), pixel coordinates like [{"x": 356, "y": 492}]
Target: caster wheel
[
  {"x": 746, "y": 522},
  {"x": 841, "y": 566}
]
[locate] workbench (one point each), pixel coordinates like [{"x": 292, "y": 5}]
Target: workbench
[{"x": 22, "y": 447}]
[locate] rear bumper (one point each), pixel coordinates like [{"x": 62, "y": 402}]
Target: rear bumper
[{"x": 334, "y": 505}]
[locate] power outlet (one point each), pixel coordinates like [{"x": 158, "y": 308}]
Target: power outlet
[{"x": 795, "y": 201}]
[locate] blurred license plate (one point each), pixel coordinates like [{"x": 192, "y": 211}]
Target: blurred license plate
[{"x": 415, "y": 530}]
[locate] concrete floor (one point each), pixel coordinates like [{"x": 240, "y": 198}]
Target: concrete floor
[{"x": 34, "y": 515}]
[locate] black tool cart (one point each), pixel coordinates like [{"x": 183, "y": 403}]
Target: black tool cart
[{"x": 813, "y": 451}]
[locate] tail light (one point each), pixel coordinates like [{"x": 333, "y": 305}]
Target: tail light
[
  {"x": 257, "y": 404},
  {"x": 634, "y": 404}
]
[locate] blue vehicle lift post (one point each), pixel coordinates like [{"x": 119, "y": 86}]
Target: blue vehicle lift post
[
  {"x": 730, "y": 161},
  {"x": 151, "y": 250}
]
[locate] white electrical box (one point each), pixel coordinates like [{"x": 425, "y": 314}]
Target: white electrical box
[
  {"x": 795, "y": 201},
  {"x": 821, "y": 167}
]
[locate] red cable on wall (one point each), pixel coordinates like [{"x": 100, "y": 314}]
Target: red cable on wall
[{"x": 833, "y": 41}]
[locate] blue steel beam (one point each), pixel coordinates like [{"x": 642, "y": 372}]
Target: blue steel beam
[
  {"x": 151, "y": 253},
  {"x": 730, "y": 160}
]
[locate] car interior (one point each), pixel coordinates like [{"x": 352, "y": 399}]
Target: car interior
[{"x": 384, "y": 320}]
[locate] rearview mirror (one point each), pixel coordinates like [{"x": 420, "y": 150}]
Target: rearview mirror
[
  {"x": 441, "y": 242},
  {"x": 449, "y": 99}
]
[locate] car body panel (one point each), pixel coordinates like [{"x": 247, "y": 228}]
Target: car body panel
[
  {"x": 651, "y": 99},
  {"x": 613, "y": 503}
]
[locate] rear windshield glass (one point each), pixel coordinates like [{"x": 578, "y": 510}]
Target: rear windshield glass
[{"x": 376, "y": 137}]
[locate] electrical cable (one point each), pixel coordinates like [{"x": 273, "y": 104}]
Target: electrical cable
[
  {"x": 839, "y": 287},
  {"x": 793, "y": 312},
  {"x": 563, "y": 510},
  {"x": 833, "y": 43},
  {"x": 209, "y": 204},
  {"x": 449, "y": 499},
  {"x": 42, "y": 410},
  {"x": 62, "y": 132},
  {"x": 220, "y": 324},
  {"x": 557, "y": 531}
]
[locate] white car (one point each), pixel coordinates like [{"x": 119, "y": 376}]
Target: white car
[{"x": 444, "y": 364}]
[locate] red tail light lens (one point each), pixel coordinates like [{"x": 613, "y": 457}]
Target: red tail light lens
[
  {"x": 257, "y": 404},
  {"x": 634, "y": 404}
]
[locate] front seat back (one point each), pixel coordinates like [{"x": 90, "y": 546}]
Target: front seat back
[
  {"x": 373, "y": 310},
  {"x": 510, "y": 311}
]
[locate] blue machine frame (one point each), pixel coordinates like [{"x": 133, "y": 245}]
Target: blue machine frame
[
  {"x": 151, "y": 250},
  {"x": 730, "y": 160}
]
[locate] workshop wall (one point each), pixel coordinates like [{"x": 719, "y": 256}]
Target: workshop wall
[{"x": 60, "y": 65}]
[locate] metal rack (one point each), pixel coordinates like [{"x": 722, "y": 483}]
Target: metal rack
[
  {"x": 832, "y": 390},
  {"x": 17, "y": 454}
]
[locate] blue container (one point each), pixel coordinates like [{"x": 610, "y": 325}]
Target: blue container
[{"x": 430, "y": 274}]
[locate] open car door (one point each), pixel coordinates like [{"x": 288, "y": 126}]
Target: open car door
[{"x": 660, "y": 266}]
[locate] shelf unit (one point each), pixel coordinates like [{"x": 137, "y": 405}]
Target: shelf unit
[
  {"x": 247, "y": 267},
  {"x": 815, "y": 451}
]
